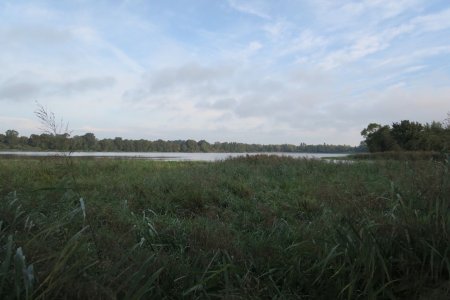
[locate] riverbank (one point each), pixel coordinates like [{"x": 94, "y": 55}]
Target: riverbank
[{"x": 251, "y": 227}]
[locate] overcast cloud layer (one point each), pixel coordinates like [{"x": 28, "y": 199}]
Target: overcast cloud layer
[{"x": 251, "y": 71}]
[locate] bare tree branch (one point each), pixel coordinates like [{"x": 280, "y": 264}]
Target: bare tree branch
[{"x": 48, "y": 122}]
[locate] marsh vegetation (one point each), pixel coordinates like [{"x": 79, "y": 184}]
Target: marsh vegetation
[{"x": 250, "y": 227}]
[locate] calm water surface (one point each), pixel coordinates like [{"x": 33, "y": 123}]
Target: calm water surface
[{"x": 166, "y": 156}]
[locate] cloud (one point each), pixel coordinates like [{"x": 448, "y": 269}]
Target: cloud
[
  {"x": 368, "y": 43},
  {"x": 343, "y": 13},
  {"x": 18, "y": 123},
  {"x": 192, "y": 74},
  {"x": 433, "y": 22},
  {"x": 18, "y": 91},
  {"x": 276, "y": 29},
  {"x": 305, "y": 40},
  {"x": 208, "y": 96},
  {"x": 34, "y": 35},
  {"x": 50, "y": 44},
  {"x": 93, "y": 39},
  {"x": 87, "y": 84},
  {"x": 384, "y": 8},
  {"x": 192, "y": 79},
  {"x": 311, "y": 71},
  {"x": 402, "y": 102},
  {"x": 22, "y": 89},
  {"x": 412, "y": 57},
  {"x": 30, "y": 11},
  {"x": 250, "y": 7},
  {"x": 361, "y": 48},
  {"x": 219, "y": 104},
  {"x": 419, "y": 100}
]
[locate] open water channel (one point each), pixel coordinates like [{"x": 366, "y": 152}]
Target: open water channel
[{"x": 165, "y": 156}]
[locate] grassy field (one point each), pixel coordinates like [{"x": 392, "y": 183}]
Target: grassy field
[{"x": 255, "y": 227}]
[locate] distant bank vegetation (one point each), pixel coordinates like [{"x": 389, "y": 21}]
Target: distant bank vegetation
[
  {"x": 88, "y": 142},
  {"x": 400, "y": 137}
]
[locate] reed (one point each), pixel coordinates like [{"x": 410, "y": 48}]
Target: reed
[{"x": 244, "y": 228}]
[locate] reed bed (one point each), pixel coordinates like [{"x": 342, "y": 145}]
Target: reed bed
[{"x": 245, "y": 228}]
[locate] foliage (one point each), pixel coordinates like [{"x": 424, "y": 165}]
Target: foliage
[
  {"x": 379, "y": 138},
  {"x": 252, "y": 227},
  {"x": 407, "y": 136},
  {"x": 55, "y": 139}
]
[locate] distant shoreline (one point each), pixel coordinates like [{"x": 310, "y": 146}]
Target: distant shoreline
[{"x": 166, "y": 156}]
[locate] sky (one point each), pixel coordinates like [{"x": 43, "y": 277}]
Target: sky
[{"x": 253, "y": 71}]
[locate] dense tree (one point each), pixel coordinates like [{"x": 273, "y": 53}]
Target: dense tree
[
  {"x": 118, "y": 143},
  {"x": 434, "y": 137},
  {"x": 34, "y": 141},
  {"x": 106, "y": 145},
  {"x": 89, "y": 141},
  {"x": 370, "y": 130},
  {"x": 407, "y": 136},
  {"x": 379, "y": 138},
  {"x": 204, "y": 146},
  {"x": 189, "y": 146},
  {"x": 11, "y": 137}
]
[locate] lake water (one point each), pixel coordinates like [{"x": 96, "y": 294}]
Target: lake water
[{"x": 165, "y": 156}]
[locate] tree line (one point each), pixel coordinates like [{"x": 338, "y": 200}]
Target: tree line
[
  {"x": 408, "y": 136},
  {"x": 88, "y": 142}
]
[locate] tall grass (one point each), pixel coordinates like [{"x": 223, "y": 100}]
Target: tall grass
[
  {"x": 401, "y": 155},
  {"x": 253, "y": 227}
]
